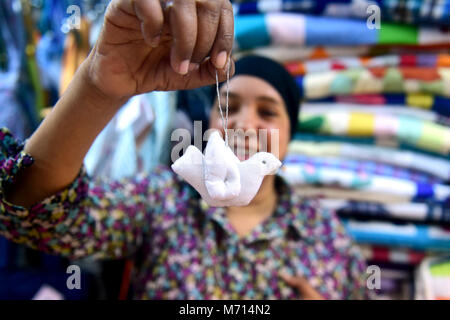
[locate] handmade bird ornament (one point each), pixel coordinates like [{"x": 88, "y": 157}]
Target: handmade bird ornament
[{"x": 220, "y": 177}]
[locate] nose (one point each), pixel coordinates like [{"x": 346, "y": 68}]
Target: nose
[{"x": 245, "y": 119}]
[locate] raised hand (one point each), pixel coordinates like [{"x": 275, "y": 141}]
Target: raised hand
[{"x": 146, "y": 45}]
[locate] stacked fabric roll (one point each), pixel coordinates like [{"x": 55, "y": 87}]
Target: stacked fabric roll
[{"x": 373, "y": 138}]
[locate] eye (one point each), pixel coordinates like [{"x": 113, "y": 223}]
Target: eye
[{"x": 267, "y": 113}]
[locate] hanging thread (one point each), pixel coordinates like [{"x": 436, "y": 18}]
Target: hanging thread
[{"x": 224, "y": 119}]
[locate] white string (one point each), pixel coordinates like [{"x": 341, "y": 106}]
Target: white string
[{"x": 224, "y": 119}]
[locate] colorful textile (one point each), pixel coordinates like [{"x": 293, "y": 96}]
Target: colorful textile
[
  {"x": 360, "y": 81},
  {"x": 284, "y": 54},
  {"x": 366, "y": 166},
  {"x": 304, "y": 174},
  {"x": 436, "y": 212},
  {"x": 189, "y": 250},
  {"x": 336, "y": 192},
  {"x": 369, "y": 141},
  {"x": 420, "y": 134},
  {"x": 392, "y": 255},
  {"x": 408, "y": 159},
  {"x": 298, "y": 68},
  {"x": 420, "y": 237},
  {"x": 405, "y": 11},
  {"x": 437, "y": 104},
  {"x": 374, "y": 109},
  {"x": 300, "y": 30}
]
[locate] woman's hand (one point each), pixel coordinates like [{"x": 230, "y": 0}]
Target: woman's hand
[
  {"x": 145, "y": 47},
  {"x": 141, "y": 48},
  {"x": 303, "y": 287}
]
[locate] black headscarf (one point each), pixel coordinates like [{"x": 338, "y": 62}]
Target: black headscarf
[{"x": 278, "y": 77}]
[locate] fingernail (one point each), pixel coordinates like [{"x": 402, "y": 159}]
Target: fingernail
[
  {"x": 155, "y": 41},
  {"x": 193, "y": 66},
  {"x": 184, "y": 67},
  {"x": 221, "y": 60}
]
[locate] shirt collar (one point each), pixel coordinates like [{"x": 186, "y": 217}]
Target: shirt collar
[{"x": 288, "y": 214}]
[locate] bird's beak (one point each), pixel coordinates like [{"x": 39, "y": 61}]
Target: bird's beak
[{"x": 277, "y": 165}]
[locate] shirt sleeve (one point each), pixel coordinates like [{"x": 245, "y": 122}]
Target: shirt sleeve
[{"x": 104, "y": 219}]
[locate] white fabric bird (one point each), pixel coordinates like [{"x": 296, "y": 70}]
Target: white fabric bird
[{"x": 220, "y": 178}]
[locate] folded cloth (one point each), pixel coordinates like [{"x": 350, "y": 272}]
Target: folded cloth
[
  {"x": 409, "y": 80},
  {"x": 405, "y": 11},
  {"x": 392, "y": 255},
  {"x": 409, "y": 130},
  {"x": 370, "y": 141},
  {"x": 435, "y": 166},
  {"x": 430, "y": 212},
  {"x": 437, "y": 104},
  {"x": 285, "y": 53},
  {"x": 299, "y": 30},
  {"x": 416, "y": 236},
  {"x": 430, "y": 60},
  {"x": 300, "y": 174},
  {"x": 361, "y": 166},
  {"x": 373, "y": 109},
  {"x": 335, "y": 192}
]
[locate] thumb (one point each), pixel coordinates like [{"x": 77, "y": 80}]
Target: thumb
[{"x": 301, "y": 284}]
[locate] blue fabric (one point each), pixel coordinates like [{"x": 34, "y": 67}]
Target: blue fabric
[
  {"x": 251, "y": 31},
  {"x": 11, "y": 111},
  {"x": 424, "y": 191},
  {"x": 421, "y": 12},
  {"x": 331, "y": 31},
  {"x": 415, "y": 236}
]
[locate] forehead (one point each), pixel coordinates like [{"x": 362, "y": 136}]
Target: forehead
[{"x": 250, "y": 87}]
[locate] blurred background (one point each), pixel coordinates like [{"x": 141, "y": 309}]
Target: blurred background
[{"x": 373, "y": 136}]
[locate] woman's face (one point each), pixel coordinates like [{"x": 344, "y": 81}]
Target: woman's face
[{"x": 253, "y": 105}]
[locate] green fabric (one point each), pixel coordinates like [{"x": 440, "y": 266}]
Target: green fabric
[
  {"x": 393, "y": 81},
  {"x": 434, "y": 87},
  {"x": 441, "y": 269},
  {"x": 311, "y": 124},
  {"x": 391, "y": 33}
]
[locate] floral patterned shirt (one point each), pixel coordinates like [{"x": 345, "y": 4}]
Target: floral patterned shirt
[{"x": 182, "y": 248}]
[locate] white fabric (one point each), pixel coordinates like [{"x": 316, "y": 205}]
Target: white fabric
[
  {"x": 286, "y": 29},
  {"x": 220, "y": 178}
]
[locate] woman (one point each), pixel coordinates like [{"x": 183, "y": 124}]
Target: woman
[{"x": 278, "y": 246}]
